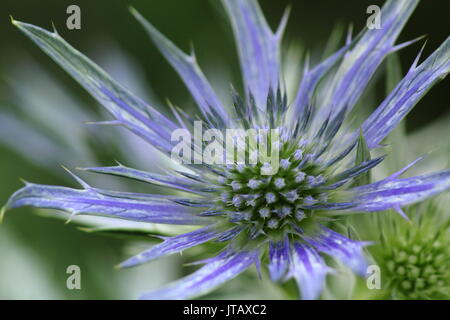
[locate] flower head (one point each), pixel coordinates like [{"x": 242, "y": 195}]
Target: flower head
[
  {"x": 279, "y": 217},
  {"x": 415, "y": 257}
]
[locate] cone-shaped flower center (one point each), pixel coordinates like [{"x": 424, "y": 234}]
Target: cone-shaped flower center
[
  {"x": 278, "y": 201},
  {"x": 419, "y": 270}
]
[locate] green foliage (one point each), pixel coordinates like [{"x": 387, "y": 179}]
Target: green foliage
[{"x": 362, "y": 155}]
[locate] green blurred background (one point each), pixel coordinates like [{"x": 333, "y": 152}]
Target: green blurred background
[{"x": 35, "y": 252}]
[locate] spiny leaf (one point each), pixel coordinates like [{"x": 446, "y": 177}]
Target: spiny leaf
[
  {"x": 128, "y": 233},
  {"x": 362, "y": 155},
  {"x": 128, "y": 109},
  {"x": 397, "y": 137},
  {"x": 393, "y": 71}
]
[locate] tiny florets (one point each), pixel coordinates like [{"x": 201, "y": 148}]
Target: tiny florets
[{"x": 277, "y": 201}]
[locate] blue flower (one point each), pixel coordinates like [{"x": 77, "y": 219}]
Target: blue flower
[{"x": 282, "y": 220}]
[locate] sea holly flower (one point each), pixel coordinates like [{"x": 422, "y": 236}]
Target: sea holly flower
[
  {"x": 415, "y": 257},
  {"x": 284, "y": 220}
]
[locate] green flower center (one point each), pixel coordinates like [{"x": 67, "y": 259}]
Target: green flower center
[
  {"x": 272, "y": 203},
  {"x": 419, "y": 271}
]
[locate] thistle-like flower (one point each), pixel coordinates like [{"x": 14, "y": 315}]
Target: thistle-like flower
[
  {"x": 415, "y": 257},
  {"x": 285, "y": 218}
]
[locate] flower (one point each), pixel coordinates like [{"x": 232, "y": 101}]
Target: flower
[
  {"x": 414, "y": 257},
  {"x": 281, "y": 219}
]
